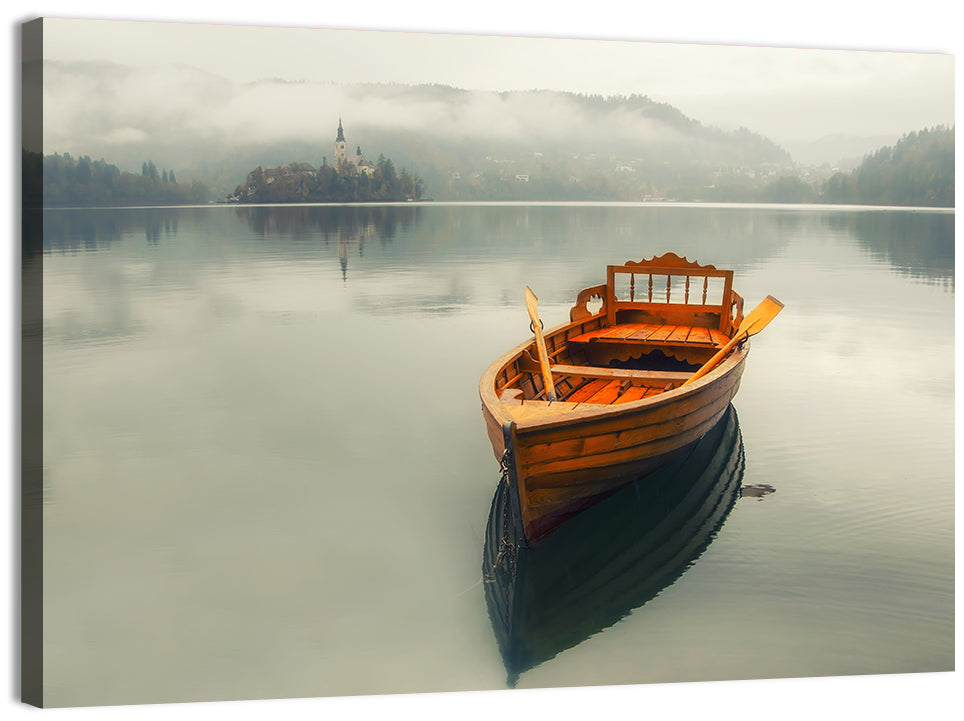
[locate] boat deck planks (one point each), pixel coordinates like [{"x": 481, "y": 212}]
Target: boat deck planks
[
  {"x": 655, "y": 333},
  {"x": 586, "y": 391},
  {"x": 633, "y": 393},
  {"x": 700, "y": 335},
  {"x": 608, "y": 394}
]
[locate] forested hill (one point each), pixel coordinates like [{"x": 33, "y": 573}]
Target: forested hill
[
  {"x": 459, "y": 145},
  {"x": 62, "y": 180},
  {"x": 549, "y": 145},
  {"x": 465, "y": 144},
  {"x": 917, "y": 171}
]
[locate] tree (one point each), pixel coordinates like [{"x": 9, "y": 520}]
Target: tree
[
  {"x": 84, "y": 182},
  {"x": 84, "y": 173},
  {"x": 788, "y": 189},
  {"x": 300, "y": 182},
  {"x": 918, "y": 170}
]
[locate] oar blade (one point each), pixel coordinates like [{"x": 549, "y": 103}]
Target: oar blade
[
  {"x": 765, "y": 311},
  {"x": 755, "y": 321},
  {"x": 532, "y": 304},
  {"x": 760, "y": 317}
]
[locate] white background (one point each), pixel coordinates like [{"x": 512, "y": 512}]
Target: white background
[{"x": 922, "y": 26}]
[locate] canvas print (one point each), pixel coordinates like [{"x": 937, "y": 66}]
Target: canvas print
[{"x": 373, "y": 362}]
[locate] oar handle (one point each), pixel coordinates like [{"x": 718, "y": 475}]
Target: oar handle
[{"x": 531, "y": 306}]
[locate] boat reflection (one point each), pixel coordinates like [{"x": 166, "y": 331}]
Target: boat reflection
[{"x": 612, "y": 558}]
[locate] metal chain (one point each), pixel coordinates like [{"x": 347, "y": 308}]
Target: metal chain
[
  {"x": 506, "y": 547},
  {"x": 504, "y": 466}
]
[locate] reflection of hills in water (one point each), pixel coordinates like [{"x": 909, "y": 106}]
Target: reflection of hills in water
[
  {"x": 917, "y": 244},
  {"x": 381, "y": 222},
  {"x": 920, "y": 245},
  {"x": 350, "y": 228},
  {"x": 612, "y": 558},
  {"x": 89, "y": 229}
]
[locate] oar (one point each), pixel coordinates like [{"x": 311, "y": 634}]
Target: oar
[
  {"x": 757, "y": 320},
  {"x": 531, "y": 301}
]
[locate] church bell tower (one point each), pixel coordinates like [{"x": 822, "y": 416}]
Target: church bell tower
[{"x": 341, "y": 154}]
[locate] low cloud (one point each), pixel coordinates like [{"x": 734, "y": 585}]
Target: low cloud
[{"x": 96, "y": 108}]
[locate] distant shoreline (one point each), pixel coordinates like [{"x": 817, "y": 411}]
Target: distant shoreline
[{"x": 525, "y": 203}]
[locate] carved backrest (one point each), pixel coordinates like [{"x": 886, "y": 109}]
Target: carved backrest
[
  {"x": 671, "y": 287},
  {"x": 581, "y": 311}
]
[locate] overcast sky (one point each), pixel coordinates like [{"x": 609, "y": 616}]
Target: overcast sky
[{"x": 784, "y": 93}]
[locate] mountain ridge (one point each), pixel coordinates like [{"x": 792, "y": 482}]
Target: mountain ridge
[{"x": 462, "y": 142}]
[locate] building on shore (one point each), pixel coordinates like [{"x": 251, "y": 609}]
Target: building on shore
[{"x": 343, "y": 160}]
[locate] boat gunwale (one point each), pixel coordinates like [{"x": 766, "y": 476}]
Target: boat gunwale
[{"x": 586, "y": 412}]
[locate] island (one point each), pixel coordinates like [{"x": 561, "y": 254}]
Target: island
[{"x": 351, "y": 178}]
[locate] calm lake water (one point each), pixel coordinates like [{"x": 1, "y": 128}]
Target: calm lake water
[{"x": 266, "y": 473}]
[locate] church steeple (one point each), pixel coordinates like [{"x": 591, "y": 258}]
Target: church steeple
[{"x": 341, "y": 153}]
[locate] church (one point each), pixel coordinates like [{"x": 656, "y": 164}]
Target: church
[{"x": 343, "y": 160}]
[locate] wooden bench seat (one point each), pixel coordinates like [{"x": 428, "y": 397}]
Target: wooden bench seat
[
  {"x": 659, "y": 377},
  {"x": 600, "y": 386},
  {"x": 600, "y": 391},
  {"x": 656, "y": 334}
]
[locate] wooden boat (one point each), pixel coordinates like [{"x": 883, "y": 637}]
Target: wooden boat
[
  {"x": 577, "y": 411},
  {"x": 612, "y": 558}
]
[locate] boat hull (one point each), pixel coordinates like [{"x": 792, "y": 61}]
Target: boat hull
[
  {"x": 561, "y": 463},
  {"x": 580, "y": 410}
]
